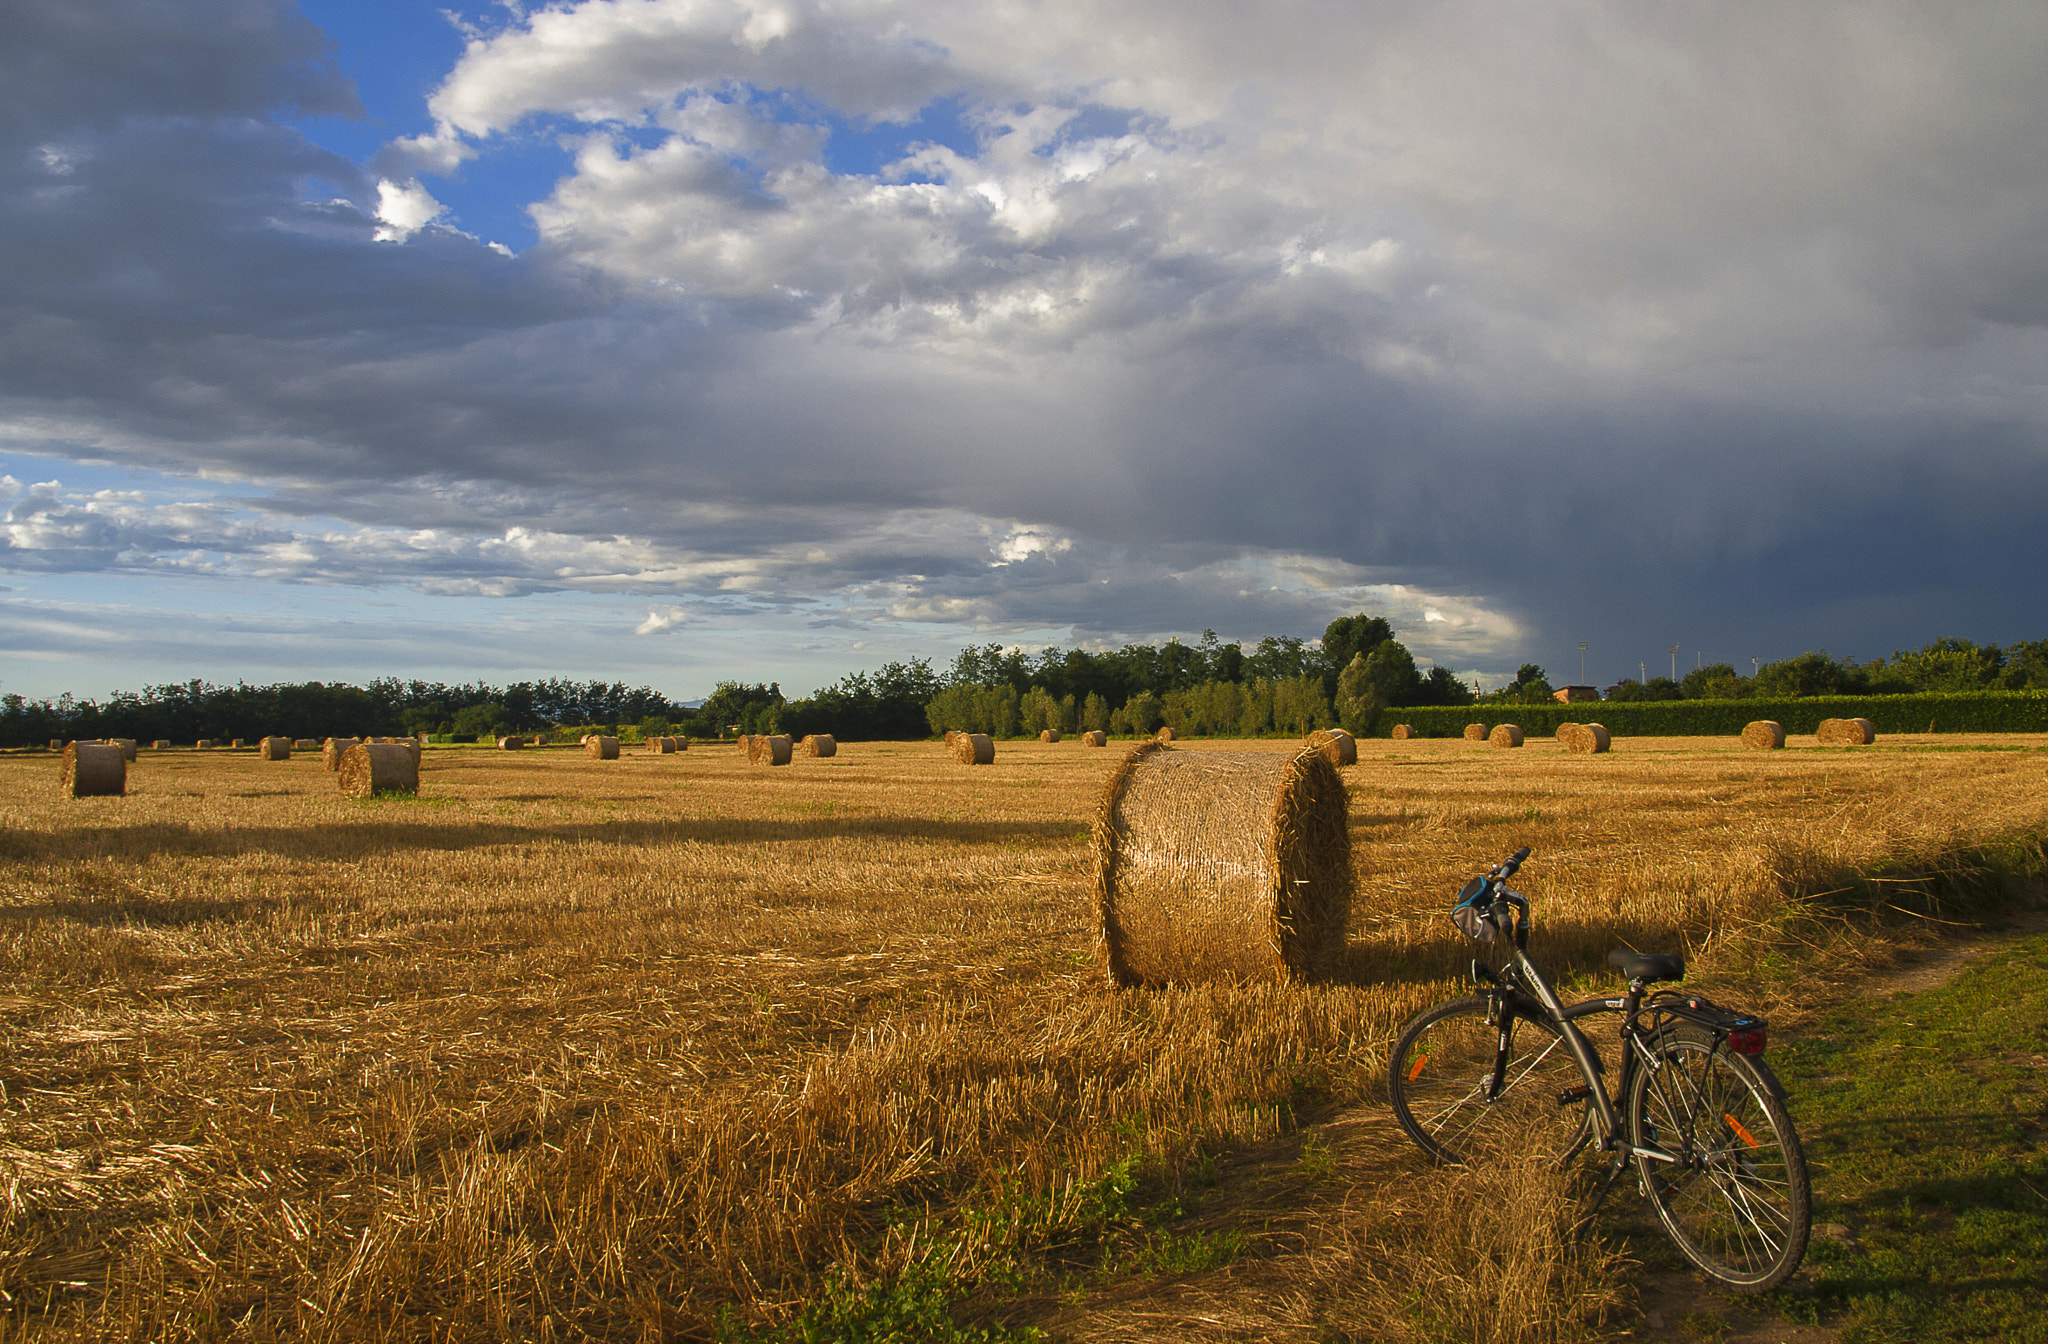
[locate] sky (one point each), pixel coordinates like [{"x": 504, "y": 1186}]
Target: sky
[{"x": 673, "y": 341}]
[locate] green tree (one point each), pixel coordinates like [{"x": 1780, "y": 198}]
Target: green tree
[
  {"x": 480, "y": 721},
  {"x": 1656, "y": 688},
  {"x": 1811, "y": 673},
  {"x": 1358, "y": 701},
  {"x": 1348, "y": 636},
  {"x": 1094, "y": 714},
  {"x": 1715, "y": 681}
]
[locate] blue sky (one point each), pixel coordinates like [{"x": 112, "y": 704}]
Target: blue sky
[{"x": 682, "y": 341}]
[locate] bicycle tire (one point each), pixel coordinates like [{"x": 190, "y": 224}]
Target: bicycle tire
[
  {"x": 1737, "y": 1202},
  {"x": 1440, "y": 1081}
]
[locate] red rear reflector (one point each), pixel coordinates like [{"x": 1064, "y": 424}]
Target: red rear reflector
[{"x": 1748, "y": 1040}]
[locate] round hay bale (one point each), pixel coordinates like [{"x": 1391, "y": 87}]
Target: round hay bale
[
  {"x": 56, "y": 744},
  {"x": 235, "y": 745},
  {"x": 274, "y": 749},
  {"x": 1049, "y": 735},
  {"x": 1340, "y": 746},
  {"x": 1505, "y": 735},
  {"x": 1846, "y": 733},
  {"x": 330, "y": 753},
  {"x": 93, "y": 770},
  {"x": 774, "y": 749},
  {"x": 1164, "y": 735},
  {"x": 204, "y": 743},
  {"x": 819, "y": 744},
  {"x": 746, "y": 744},
  {"x": 1764, "y": 735},
  {"x": 306, "y": 744},
  {"x": 1475, "y": 732},
  {"x": 974, "y": 749},
  {"x": 127, "y": 746},
  {"x": 371, "y": 768},
  {"x": 659, "y": 746},
  {"x": 1584, "y": 739},
  {"x": 1221, "y": 866},
  {"x": 1402, "y": 732},
  {"x": 682, "y": 744},
  {"x": 1095, "y": 737},
  {"x": 511, "y": 744},
  {"x": 601, "y": 748},
  {"x": 951, "y": 733},
  {"x": 161, "y": 744}
]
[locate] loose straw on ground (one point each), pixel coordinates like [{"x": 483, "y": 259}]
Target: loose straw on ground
[{"x": 1221, "y": 866}]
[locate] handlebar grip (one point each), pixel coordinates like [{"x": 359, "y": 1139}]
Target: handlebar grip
[{"x": 1512, "y": 862}]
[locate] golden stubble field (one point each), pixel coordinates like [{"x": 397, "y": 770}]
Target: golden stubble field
[{"x": 571, "y": 1048}]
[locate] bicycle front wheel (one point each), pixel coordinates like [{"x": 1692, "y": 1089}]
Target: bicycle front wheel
[
  {"x": 1728, "y": 1179},
  {"x": 1462, "y": 1087}
]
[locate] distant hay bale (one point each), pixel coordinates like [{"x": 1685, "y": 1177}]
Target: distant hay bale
[
  {"x": 235, "y": 745},
  {"x": 601, "y": 748},
  {"x": 371, "y": 768},
  {"x": 161, "y": 744},
  {"x": 1584, "y": 739},
  {"x": 330, "y": 752},
  {"x": 56, "y": 744},
  {"x": 204, "y": 742},
  {"x": 1049, "y": 735},
  {"x": 511, "y": 744},
  {"x": 1340, "y": 746},
  {"x": 1475, "y": 732},
  {"x": 1402, "y": 732},
  {"x": 659, "y": 746},
  {"x": 93, "y": 770},
  {"x": 1221, "y": 866},
  {"x": 1164, "y": 735},
  {"x": 774, "y": 749},
  {"x": 274, "y": 749},
  {"x": 1505, "y": 735},
  {"x": 127, "y": 746},
  {"x": 818, "y": 745},
  {"x": 1764, "y": 735},
  {"x": 306, "y": 744},
  {"x": 1095, "y": 737},
  {"x": 1846, "y": 733},
  {"x": 974, "y": 749},
  {"x": 746, "y": 742}
]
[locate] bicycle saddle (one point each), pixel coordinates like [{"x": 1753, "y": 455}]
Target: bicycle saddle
[{"x": 1643, "y": 966}]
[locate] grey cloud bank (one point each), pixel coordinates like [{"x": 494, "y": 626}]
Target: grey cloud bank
[{"x": 1722, "y": 327}]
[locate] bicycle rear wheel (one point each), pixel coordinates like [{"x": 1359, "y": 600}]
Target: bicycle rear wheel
[
  {"x": 1734, "y": 1197},
  {"x": 1461, "y": 1087}
]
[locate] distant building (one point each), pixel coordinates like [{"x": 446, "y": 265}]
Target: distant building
[{"x": 1567, "y": 695}]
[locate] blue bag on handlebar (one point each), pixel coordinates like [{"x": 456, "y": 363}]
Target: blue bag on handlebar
[{"x": 1470, "y": 913}]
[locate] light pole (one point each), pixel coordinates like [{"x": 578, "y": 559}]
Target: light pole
[
  {"x": 1642, "y": 673},
  {"x": 1582, "y": 662},
  {"x": 1674, "y": 662}
]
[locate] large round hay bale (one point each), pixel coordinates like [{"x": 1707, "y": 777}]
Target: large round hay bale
[
  {"x": 1475, "y": 732},
  {"x": 371, "y": 768},
  {"x": 511, "y": 744},
  {"x": 1049, "y": 735},
  {"x": 1505, "y": 735},
  {"x": 1221, "y": 865},
  {"x": 274, "y": 749},
  {"x": 1846, "y": 733},
  {"x": 951, "y": 733},
  {"x": 1584, "y": 739},
  {"x": 974, "y": 749},
  {"x": 773, "y": 749},
  {"x": 1094, "y": 737},
  {"x": 1402, "y": 732},
  {"x": 330, "y": 752},
  {"x": 93, "y": 770},
  {"x": 602, "y": 748},
  {"x": 819, "y": 745},
  {"x": 1164, "y": 735},
  {"x": 658, "y": 746},
  {"x": 746, "y": 745},
  {"x": 1340, "y": 746},
  {"x": 1764, "y": 735}
]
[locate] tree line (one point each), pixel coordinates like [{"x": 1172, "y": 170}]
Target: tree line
[{"x": 1281, "y": 684}]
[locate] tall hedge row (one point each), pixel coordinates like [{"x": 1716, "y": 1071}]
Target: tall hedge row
[{"x": 1947, "y": 712}]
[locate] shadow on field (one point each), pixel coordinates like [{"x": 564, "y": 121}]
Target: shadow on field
[
  {"x": 139, "y": 913},
  {"x": 372, "y": 837}
]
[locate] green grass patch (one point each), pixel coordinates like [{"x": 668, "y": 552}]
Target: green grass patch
[{"x": 1924, "y": 1118}]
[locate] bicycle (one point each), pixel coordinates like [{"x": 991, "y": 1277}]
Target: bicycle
[{"x": 1694, "y": 1108}]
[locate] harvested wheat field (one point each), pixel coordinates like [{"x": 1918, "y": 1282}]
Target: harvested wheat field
[{"x": 565, "y": 1048}]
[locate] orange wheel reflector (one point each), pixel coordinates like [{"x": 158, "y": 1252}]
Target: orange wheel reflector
[
  {"x": 1415, "y": 1070},
  {"x": 1740, "y": 1132}
]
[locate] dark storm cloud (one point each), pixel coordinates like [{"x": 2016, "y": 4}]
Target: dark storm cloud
[{"x": 1601, "y": 323}]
